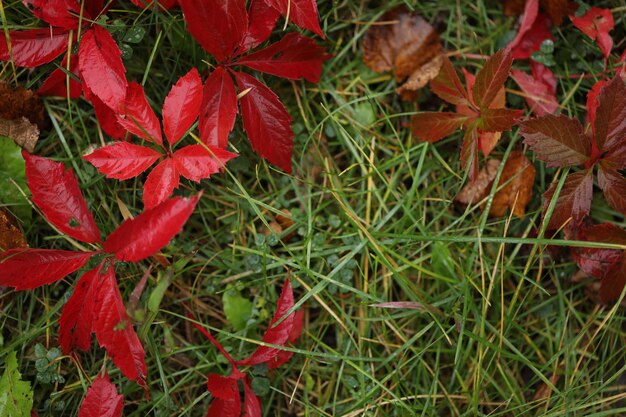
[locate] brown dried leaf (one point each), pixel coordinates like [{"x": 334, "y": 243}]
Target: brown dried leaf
[
  {"x": 476, "y": 190},
  {"x": 403, "y": 42},
  {"x": 557, "y": 10},
  {"x": 544, "y": 391},
  {"x": 23, "y": 132},
  {"x": 22, "y": 115},
  {"x": 518, "y": 176},
  {"x": 11, "y": 236}
]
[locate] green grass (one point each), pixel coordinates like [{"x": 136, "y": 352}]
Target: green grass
[{"x": 374, "y": 221}]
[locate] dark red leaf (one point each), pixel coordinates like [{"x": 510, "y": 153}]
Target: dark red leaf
[
  {"x": 301, "y": 12},
  {"x": 182, "y": 106},
  {"x": 107, "y": 118},
  {"x": 498, "y": 120},
  {"x": 491, "y": 78},
  {"x": 597, "y": 23},
  {"x": 59, "y": 13},
  {"x": 146, "y": 234},
  {"x": 533, "y": 30},
  {"x": 251, "y": 403},
  {"x": 219, "y": 27},
  {"x": 293, "y": 57},
  {"x": 95, "y": 8},
  {"x": 612, "y": 284},
  {"x": 538, "y": 92},
  {"x": 595, "y": 261},
  {"x": 196, "y": 162},
  {"x": 114, "y": 329},
  {"x": 447, "y": 85},
  {"x": 431, "y": 127},
  {"x": 573, "y": 202},
  {"x": 137, "y": 116},
  {"x": 610, "y": 116},
  {"x": 76, "y": 320},
  {"x": 262, "y": 19},
  {"x": 163, "y": 4},
  {"x": 219, "y": 109},
  {"x": 226, "y": 402},
  {"x": 284, "y": 356},
  {"x": 102, "y": 400},
  {"x": 605, "y": 233},
  {"x": 275, "y": 334},
  {"x": 56, "y": 84},
  {"x": 613, "y": 184},
  {"x": 161, "y": 183},
  {"x": 557, "y": 140},
  {"x": 266, "y": 121},
  {"x": 122, "y": 160},
  {"x": 469, "y": 152},
  {"x": 55, "y": 191},
  {"x": 593, "y": 102},
  {"x": 101, "y": 67},
  {"x": 34, "y": 47}
]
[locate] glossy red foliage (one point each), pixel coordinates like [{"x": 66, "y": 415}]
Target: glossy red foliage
[
  {"x": 102, "y": 400},
  {"x": 597, "y": 23}
]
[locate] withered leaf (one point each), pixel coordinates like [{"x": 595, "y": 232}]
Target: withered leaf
[
  {"x": 22, "y": 131},
  {"x": 557, "y": 10},
  {"x": 403, "y": 42},
  {"x": 22, "y": 115},
  {"x": 476, "y": 190},
  {"x": 11, "y": 236}
]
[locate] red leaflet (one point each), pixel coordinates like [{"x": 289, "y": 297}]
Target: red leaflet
[
  {"x": 56, "y": 193},
  {"x": 59, "y": 13},
  {"x": 182, "y": 106},
  {"x": 107, "y": 118},
  {"x": 432, "y": 127},
  {"x": 137, "y": 117},
  {"x": 161, "y": 183},
  {"x": 283, "y": 356},
  {"x": 262, "y": 19},
  {"x": 301, "y": 12},
  {"x": 218, "y": 26},
  {"x": 76, "y": 319},
  {"x": 448, "y": 87},
  {"x": 101, "y": 67},
  {"x": 196, "y": 162},
  {"x": 251, "y": 403},
  {"x": 293, "y": 57},
  {"x": 114, "y": 330},
  {"x": 574, "y": 200},
  {"x": 25, "y": 269},
  {"x": 491, "y": 78},
  {"x": 592, "y": 101},
  {"x": 527, "y": 20},
  {"x": 122, "y": 160},
  {"x": 102, "y": 400},
  {"x": 56, "y": 84},
  {"x": 218, "y": 109},
  {"x": 266, "y": 121},
  {"x": 597, "y": 23},
  {"x": 34, "y": 47},
  {"x": 138, "y": 238},
  {"x": 227, "y": 402},
  {"x": 539, "y": 89}
]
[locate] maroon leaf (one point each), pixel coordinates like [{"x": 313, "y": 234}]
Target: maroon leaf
[
  {"x": 219, "y": 109},
  {"x": 595, "y": 261},
  {"x": 101, "y": 67},
  {"x": 610, "y": 116},
  {"x": 262, "y": 19},
  {"x": 278, "y": 334},
  {"x": 161, "y": 183},
  {"x": 102, "y": 400},
  {"x": 431, "y": 127},
  {"x": 266, "y": 121},
  {"x": 301, "y": 12},
  {"x": 538, "y": 92},
  {"x": 491, "y": 78},
  {"x": 226, "y": 402},
  {"x": 284, "y": 355},
  {"x": 143, "y": 236},
  {"x": 593, "y": 102},
  {"x": 122, "y": 160},
  {"x": 447, "y": 85},
  {"x": 25, "y": 269},
  {"x": 107, "y": 118},
  {"x": 55, "y": 191},
  {"x": 613, "y": 184},
  {"x": 76, "y": 320},
  {"x": 57, "y": 83},
  {"x": 251, "y": 403},
  {"x": 557, "y": 140},
  {"x": 293, "y": 57},
  {"x": 195, "y": 162},
  {"x": 219, "y": 27},
  {"x": 59, "y": 13},
  {"x": 182, "y": 106},
  {"x": 114, "y": 329},
  {"x": 469, "y": 152},
  {"x": 612, "y": 284},
  {"x": 34, "y": 47},
  {"x": 573, "y": 202},
  {"x": 498, "y": 120},
  {"x": 138, "y": 117},
  {"x": 597, "y": 23}
]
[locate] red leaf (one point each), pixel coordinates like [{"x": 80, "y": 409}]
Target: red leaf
[
  {"x": 301, "y": 12},
  {"x": 138, "y": 117},
  {"x": 146, "y": 234},
  {"x": 266, "y": 121},
  {"x": 55, "y": 191},
  {"x": 226, "y": 402},
  {"x": 431, "y": 127},
  {"x": 293, "y": 57},
  {"x": 573, "y": 202},
  {"x": 34, "y": 47},
  {"x": 163, "y": 4},
  {"x": 25, "y": 269},
  {"x": 219, "y": 109},
  {"x": 491, "y": 78},
  {"x": 59, "y": 13},
  {"x": 251, "y": 403},
  {"x": 596, "y": 24},
  {"x": 469, "y": 152},
  {"x": 557, "y": 140},
  {"x": 612, "y": 284},
  {"x": 594, "y": 261},
  {"x": 613, "y": 184},
  {"x": 284, "y": 356},
  {"x": 107, "y": 118},
  {"x": 114, "y": 329},
  {"x": 122, "y": 160},
  {"x": 593, "y": 102},
  {"x": 532, "y": 40},
  {"x": 610, "y": 116},
  {"x": 447, "y": 85},
  {"x": 498, "y": 120},
  {"x": 262, "y": 19},
  {"x": 219, "y": 26},
  {"x": 102, "y": 400},
  {"x": 101, "y": 67},
  {"x": 182, "y": 106},
  {"x": 56, "y": 84},
  {"x": 538, "y": 93},
  {"x": 275, "y": 335},
  {"x": 527, "y": 20},
  {"x": 76, "y": 320},
  {"x": 195, "y": 162},
  {"x": 161, "y": 183}
]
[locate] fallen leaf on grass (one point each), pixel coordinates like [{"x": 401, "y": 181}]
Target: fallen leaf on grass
[
  {"x": 403, "y": 42},
  {"x": 21, "y": 131},
  {"x": 597, "y": 23},
  {"x": 555, "y": 9},
  {"x": 11, "y": 236},
  {"x": 21, "y": 116}
]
